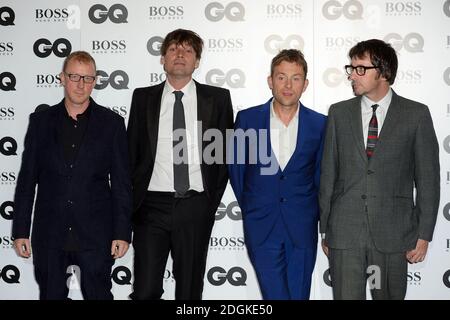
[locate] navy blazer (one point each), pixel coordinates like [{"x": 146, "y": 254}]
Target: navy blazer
[
  {"x": 292, "y": 192},
  {"x": 93, "y": 194}
]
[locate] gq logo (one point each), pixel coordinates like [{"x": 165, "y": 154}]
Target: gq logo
[
  {"x": 118, "y": 80},
  {"x": 351, "y": 9},
  {"x": 43, "y": 48},
  {"x": 8, "y": 146},
  {"x": 121, "y": 275},
  {"x": 154, "y": 45},
  {"x": 236, "y": 276},
  {"x": 446, "y": 79},
  {"x": 447, "y": 211},
  {"x": 412, "y": 42},
  {"x": 333, "y": 77},
  {"x": 7, "y": 210},
  {"x": 446, "y": 8},
  {"x": 447, "y": 144},
  {"x": 7, "y": 81},
  {"x": 234, "y": 11},
  {"x": 327, "y": 277},
  {"x": 7, "y": 16},
  {"x": 232, "y": 211},
  {"x": 10, "y": 274},
  {"x": 446, "y": 279},
  {"x": 274, "y": 43},
  {"x": 118, "y": 13},
  {"x": 235, "y": 78}
]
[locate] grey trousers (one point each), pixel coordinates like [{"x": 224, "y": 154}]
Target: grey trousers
[{"x": 351, "y": 269}]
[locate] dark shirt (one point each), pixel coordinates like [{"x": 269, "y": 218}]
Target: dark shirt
[{"x": 72, "y": 134}]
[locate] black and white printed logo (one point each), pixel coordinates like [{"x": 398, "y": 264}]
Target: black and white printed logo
[
  {"x": 446, "y": 76},
  {"x": 120, "y": 110},
  {"x": 7, "y": 113},
  {"x": 334, "y": 77},
  {"x": 10, "y": 274},
  {"x": 274, "y": 43},
  {"x": 233, "y": 11},
  {"x": 48, "y": 81},
  {"x": 232, "y": 211},
  {"x": 6, "y": 242},
  {"x": 446, "y": 8},
  {"x": 414, "y": 278},
  {"x": 284, "y": 10},
  {"x": 168, "y": 276},
  {"x": 51, "y": 14},
  {"x": 412, "y": 42},
  {"x": 7, "y": 16},
  {"x": 166, "y": 12},
  {"x": 8, "y": 177},
  {"x": 234, "y": 78},
  {"x": 236, "y": 276},
  {"x": 154, "y": 45},
  {"x": 409, "y": 76},
  {"x": 7, "y": 210},
  {"x": 225, "y": 44},
  {"x": 6, "y": 48},
  {"x": 446, "y": 279},
  {"x": 351, "y": 9},
  {"x": 327, "y": 277},
  {"x": 157, "y": 77},
  {"x": 403, "y": 8},
  {"x": 446, "y": 211},
  {"x": 117, "y": 13},
  {"x": 7, "y": 81},
  {"x": 340, "y": 43},
  {"x": 118, "y": 80},
  {"x": 8, "y": 146},
  {"x": 226, "y": 243},
  {"x": 121, "y": 275},
  {"x": 109, "y": 46},
  {"x": 60, "y": 47}
]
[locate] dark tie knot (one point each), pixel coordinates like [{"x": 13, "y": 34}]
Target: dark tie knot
[
  {"x": 374, "y": 108},
  {"x": 178, "y": 95}
]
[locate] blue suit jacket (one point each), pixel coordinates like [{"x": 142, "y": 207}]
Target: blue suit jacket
[
  {"x": 93, "y": 195},
  {"x": 292, "y": 192}
]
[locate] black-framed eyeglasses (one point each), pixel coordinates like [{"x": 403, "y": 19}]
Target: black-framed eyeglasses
[
  {"x": 360, "y": 70},
  {"x": 76, "y": 78}
]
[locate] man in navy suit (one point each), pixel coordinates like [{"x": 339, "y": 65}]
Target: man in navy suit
[
  {"x": 274, "y": 174},
  {"x": 76, "y": 154}
]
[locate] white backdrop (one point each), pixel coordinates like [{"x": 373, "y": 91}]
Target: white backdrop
[{"x": 241, "y": 37}]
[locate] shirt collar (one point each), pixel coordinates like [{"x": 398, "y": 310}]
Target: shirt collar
[
  {"x": 273, "y": 114},
  {"x": 188, "y": 89},
  {"x": 384, "y": 103}
]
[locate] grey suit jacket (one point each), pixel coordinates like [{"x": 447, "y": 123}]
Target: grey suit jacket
[{"x": 380, "y": 190}]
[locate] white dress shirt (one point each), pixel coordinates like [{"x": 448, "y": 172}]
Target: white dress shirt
[
  {"x": 366, "y": 113},
  {"x": 162, "y": 176},
  {"x": 283, "y": 139}
]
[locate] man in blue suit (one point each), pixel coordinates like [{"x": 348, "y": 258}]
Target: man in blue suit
[
  {"x": 274, "y": 173},
  {"x": 76, "y": 154}
]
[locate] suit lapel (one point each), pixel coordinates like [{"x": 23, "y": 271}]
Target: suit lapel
[
  {"x": 266, "y": 125},
  {"x": 204, "y": 107},
  {"x": 354, "y": 111},
  {"x": 303, "y": 126},
  {"x": 153, "y": 107}
]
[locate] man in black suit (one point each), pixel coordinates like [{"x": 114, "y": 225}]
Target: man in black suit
[
  {"x": 176, "y": 192},
  {"x": 76, "y": 153}
]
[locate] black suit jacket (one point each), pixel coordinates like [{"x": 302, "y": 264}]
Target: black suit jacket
[
  {"x": 214, "y": 110},
  {"x": 93, "y": 195}
]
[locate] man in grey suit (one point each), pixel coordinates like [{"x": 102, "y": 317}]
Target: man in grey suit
[{"x": 379, "y": 147}]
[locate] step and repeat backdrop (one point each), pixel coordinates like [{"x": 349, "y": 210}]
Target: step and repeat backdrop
[{"x": 241, "y": 37}]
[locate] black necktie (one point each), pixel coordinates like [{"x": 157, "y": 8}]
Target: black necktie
[
  {"x": 180, "y": 155},
  {"x": 372, "y": 135}
]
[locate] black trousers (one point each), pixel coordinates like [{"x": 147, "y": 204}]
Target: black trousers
[
  {"x": 181, "y": 227},
  {"x": 50, "y": 267}
]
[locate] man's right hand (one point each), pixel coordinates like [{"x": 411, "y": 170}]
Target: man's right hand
[
  {"x": 324, "y": 247},
  {"x": 23, "y": 247}
]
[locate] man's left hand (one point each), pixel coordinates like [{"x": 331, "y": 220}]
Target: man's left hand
[
  {"x": 418, "y": 254},
  {"x": 119, "y": 248}
]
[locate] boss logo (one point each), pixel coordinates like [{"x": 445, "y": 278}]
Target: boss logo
[
  {"x": 414, "y": 277},
  {"x": 340, "y": 42},
  {"x": 351, "y": 10},
  {"x": 233, "y": 211},
  {"x": 405, "y": 8},
  {"x": 8, "y": 177},
  {"x": 234, "y": 11},
  {"x": 274, "y": 43},
  {"x": 121, "y": 275},
  {"x": 57, "y": 13},
  {"x": 8, "y": 146},
  {"x": 6, "y": 242},
  {"x": 6, "y": 48},
  {"x": 118, "y": 80},
  {"x": 225, "y": 44},
  {"x": 48, "y": 80},
  {"x": 232, "y": 243},
  {"x": 412, "y": 42},
  {"x": 154, "y": 45},
  {"x": 10, "y": 274},
  {"x": 290, "y": 9},
  {"x": 7, "y": 210},
  {"x": 43, "y": 48},
  {"x": 236, "y": 276},
  {"x": 234, "y": 78},
  {"x": 170, "y": 12},
  {"x": 7, "y": 16},
  {"x": 7, "y": 81},
  {"x": 157, "y": 77},
  {"x": 109, "y": 45},
  {"x": 120, "y": 110},
  {"x": 117, "y": 13},
  {"x": 7, "y": 113}
]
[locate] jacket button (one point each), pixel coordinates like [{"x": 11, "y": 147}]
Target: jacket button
[
  {"x": 282, "y": 177},
  {"x": 369, "y": 172},
  {"x": 364, "y": 197},
  {"x": 283, "y": 199}
]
